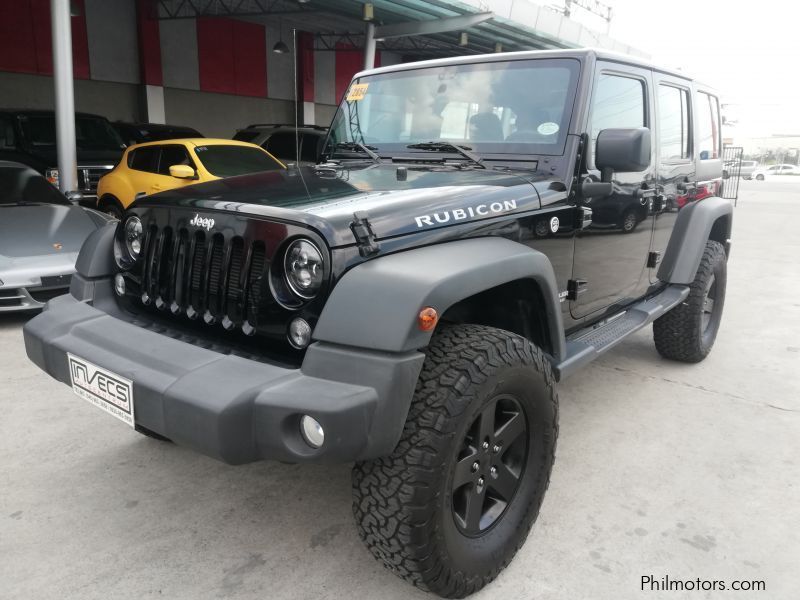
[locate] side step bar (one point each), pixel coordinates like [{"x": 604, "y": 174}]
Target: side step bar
[{"x": 587, "y": 344}]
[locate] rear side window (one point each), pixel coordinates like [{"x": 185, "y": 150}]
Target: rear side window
[
  {"x": 7, "y": 137},
  {"x": 245, "y": 136},
  {"x": 673, "y": 122},
  {"x": 618, "y": 102},
  {"x": 173, "y": 155},
  {"x": 707, "y": 126},
  {"x": 282, "y": 145},
  {"x": 144, "y": 159},
  {"x": 309, "y": 147}
]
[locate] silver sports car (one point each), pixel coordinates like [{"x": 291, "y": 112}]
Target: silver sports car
[{"x": 41, "y": 233}]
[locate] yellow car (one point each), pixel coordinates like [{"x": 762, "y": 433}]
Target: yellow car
[{"x": 153, "y": 167}]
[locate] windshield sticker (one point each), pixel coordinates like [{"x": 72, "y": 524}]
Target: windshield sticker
[
  {"x": 357, "y": 92},
  {"x": 548, "y": 128}
]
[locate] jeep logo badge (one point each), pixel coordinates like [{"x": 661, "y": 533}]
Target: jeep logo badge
[{"x": 199, "y": 221}]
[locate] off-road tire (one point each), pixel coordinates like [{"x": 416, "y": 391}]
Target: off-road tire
[
  {"x": 680, "y": 334},
  {"x": 403, "y": 503}
]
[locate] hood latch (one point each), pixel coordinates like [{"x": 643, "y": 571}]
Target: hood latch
[{"x": 365, "y": 237}]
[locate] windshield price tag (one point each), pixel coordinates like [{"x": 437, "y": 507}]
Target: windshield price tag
[{"x": 357, "y": 92}]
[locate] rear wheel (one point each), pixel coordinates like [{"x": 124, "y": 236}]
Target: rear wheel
[
  {"x": 687, "y": 332},
  {"x": 449, "y": 508},
  {"x": 759, "y": 178}
]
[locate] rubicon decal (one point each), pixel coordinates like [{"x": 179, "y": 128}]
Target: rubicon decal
[
  {"x": 470, "y": 212},
  {"x": 203, "y": 222}
]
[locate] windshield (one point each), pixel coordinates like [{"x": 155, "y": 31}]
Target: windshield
[
  {"x": 228, "y": 161},
  {"x": 91, "y": 133},
  {"x": 509, "y": 107},
  {"x": 20, "y": 185}
]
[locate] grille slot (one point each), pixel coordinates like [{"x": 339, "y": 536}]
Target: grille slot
[{"x": 201, "y": 275}]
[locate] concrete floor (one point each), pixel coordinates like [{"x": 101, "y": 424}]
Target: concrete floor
[{"x": 662, "y": 469}]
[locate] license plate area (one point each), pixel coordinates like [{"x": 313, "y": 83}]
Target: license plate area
[{"x": 103, "y": 388}]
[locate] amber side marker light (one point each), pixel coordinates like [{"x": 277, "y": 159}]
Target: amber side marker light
[{"x": 427, "y": 318}]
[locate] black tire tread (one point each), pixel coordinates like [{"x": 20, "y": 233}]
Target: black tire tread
[
  {"x": 677, "y": 333},
  {"x": 394, "y": 497}
]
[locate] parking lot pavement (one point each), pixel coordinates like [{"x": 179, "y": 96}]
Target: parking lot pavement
[{"x": 688, "y": 471}]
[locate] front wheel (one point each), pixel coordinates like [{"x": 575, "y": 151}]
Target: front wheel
[
  {"x": 759, "y": 178},
  {"x": 688, "y": 331},
  {"x": 449, "y": 508}
]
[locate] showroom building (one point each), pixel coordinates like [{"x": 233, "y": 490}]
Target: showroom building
[{"x": 211, "y": 65}]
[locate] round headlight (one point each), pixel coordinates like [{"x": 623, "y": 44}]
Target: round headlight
[
  {"x": 303, "y": 268},
  {"x": 133, "y": 237}
]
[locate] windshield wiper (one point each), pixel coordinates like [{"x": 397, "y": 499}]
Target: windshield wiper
[
  {"x": 449, "y": 146},
  {"x": 359, "y": 146}
]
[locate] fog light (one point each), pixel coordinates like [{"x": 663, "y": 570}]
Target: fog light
[
  {"x": 312, "y": 431},
  {"x": 119, "y": 284},
  {"x": 299, "y": 333}
]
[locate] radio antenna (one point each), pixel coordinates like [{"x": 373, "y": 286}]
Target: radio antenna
[{"x": 296, "y": 101}]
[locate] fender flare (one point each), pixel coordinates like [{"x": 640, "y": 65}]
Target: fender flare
[
  {"x": 375, "y": 305},
  {"x": 96, "y": 257},
  {"x": 689, "y": 236}
]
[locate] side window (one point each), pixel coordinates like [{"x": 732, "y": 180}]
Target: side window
[
  {"x": 308, "y": 147},
  {"x": 281, "y": 144},
  {"x": 707, "y": 126},
  {"x": 673, "y": 122},
  {"x": 144, "y": 159},
  {"x": 618, "y": 102},
  {"x": 173, "y": 155},
  {"x": 7, "y": 137}
]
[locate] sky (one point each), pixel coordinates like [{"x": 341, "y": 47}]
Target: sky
[{"x": 747, "y": 50}]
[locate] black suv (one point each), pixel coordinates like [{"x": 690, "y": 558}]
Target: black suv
[
  {"x": 139, "y": 133},
  {"x": 411, "y": 303},
  {"x": 29, "y": 137}
]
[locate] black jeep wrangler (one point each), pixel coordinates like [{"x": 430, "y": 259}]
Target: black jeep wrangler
[{"x": 411, "y": 302}]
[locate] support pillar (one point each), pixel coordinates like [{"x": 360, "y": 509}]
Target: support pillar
[
  {"x": 369, "y": 46},
  {"x": 65, "y": 97}
]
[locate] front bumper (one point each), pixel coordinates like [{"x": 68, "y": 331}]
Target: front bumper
[{"x": 231, "y": 408}]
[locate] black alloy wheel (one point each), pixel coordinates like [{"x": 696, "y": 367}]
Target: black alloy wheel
[{"x": 490, "y": 464}]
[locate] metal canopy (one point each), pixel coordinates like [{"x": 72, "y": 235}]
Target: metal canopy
[{"x": 335, "y": 21}]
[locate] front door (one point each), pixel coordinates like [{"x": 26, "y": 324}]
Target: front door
[
  {"x": 172, "y": 154},
  {"x": 611, "y": 254},
  {"x": 676, "y": 168}
]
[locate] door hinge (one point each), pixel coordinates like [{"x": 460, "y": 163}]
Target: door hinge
[
  {"x": 365, "y": 237},
  {"x": 653, "y": 260},
  {"x": 575, "y": 287}
]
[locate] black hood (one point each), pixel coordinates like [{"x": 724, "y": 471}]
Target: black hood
[{"x": 397, "y": 199}]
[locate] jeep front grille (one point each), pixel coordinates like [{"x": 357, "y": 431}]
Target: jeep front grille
[{"x": 204, "y": 276}]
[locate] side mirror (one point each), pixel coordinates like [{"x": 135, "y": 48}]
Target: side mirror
[
  {"x": 182, "y": 172},
  {"x": 622, "y": 151}
]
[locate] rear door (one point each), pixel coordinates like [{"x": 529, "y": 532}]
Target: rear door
[
  {"x": 674, "y": 159},
  {"x": 142, "y": 167}
]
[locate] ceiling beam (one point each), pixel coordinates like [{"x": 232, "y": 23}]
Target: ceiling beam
[{"x": 430, "y": 26}]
